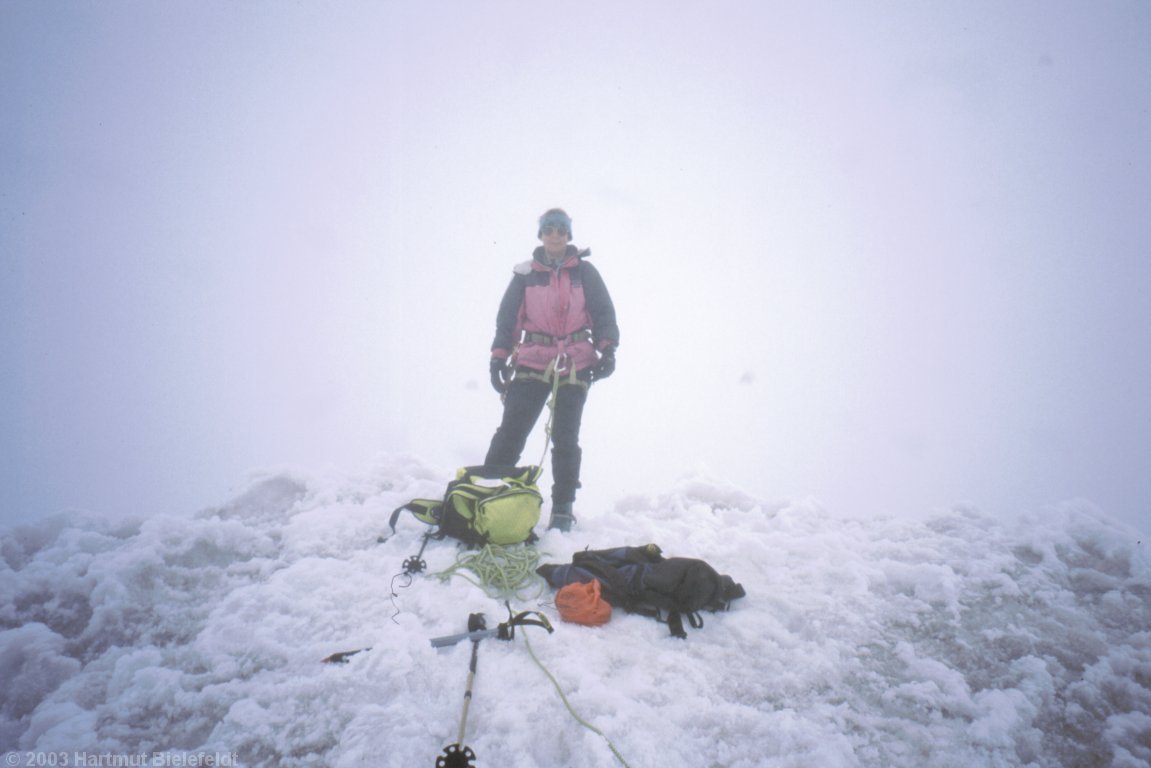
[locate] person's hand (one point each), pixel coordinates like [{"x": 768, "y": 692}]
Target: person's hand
[
  {"x": 501, "y": 374},
  {"x": 606, "y": 365}
]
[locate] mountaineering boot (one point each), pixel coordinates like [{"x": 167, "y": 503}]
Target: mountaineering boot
[{"x": 562, "y": 517}]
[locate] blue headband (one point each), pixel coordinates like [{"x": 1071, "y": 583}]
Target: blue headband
[{"x": 555, "y": 219}]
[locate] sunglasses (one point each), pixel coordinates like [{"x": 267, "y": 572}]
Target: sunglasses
[{"x": 555, "y": 229}]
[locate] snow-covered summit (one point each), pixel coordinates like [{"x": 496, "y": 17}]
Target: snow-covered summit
[{"x": 958, "y": 641}]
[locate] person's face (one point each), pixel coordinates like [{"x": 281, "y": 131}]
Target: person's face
[{"x": 555, "y": 238}]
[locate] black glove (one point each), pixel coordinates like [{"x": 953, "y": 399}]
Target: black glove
[
  {"x": 606, "y": 365},
  {"x": 501, "y": 374}
]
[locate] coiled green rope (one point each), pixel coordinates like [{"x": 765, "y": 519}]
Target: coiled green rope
[{"x": 504, "y": 573}]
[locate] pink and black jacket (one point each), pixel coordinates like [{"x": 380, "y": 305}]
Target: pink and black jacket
[{"x": 560, "y": 314}]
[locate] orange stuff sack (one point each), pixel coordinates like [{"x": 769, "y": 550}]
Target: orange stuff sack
[{"x": 582, "y": 604}]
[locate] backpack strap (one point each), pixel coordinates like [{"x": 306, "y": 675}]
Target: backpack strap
[
  {"x": 425, "y": 510},
  {"x": 675, "y": 622},
  {"x": 676, "y": 625}
]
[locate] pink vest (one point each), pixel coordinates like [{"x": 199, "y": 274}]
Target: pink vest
[{"x": 556, "y": 310}]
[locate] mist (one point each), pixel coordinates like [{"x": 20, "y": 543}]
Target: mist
[{"x": 889, "y": 259}]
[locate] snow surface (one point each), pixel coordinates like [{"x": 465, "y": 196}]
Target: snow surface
[{"x": 957, "y": 641}]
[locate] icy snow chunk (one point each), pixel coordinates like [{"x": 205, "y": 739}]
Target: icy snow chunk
[
  {"x": 268, "y": 501},
  {"x": 32, "y": 665}
]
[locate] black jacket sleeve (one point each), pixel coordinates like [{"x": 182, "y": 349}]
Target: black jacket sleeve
[
  {"x": 507, "y": 317},
  {"x": 600, "y": 307}
]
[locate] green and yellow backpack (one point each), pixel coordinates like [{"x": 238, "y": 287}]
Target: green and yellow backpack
[{"x": 483, "y": 505}]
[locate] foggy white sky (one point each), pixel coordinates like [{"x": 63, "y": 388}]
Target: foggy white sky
[{"x": 891, "y": 256}]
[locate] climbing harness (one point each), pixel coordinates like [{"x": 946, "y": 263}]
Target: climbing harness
[
  {"x": 534, "y": 337},
  {"x": 558, "y": 371}
]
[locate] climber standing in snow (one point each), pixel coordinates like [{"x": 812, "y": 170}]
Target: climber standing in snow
[{"x": 555, "y": 332}]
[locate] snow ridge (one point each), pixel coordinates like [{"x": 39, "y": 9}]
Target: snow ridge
[{"x": 958, "y": 641}]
